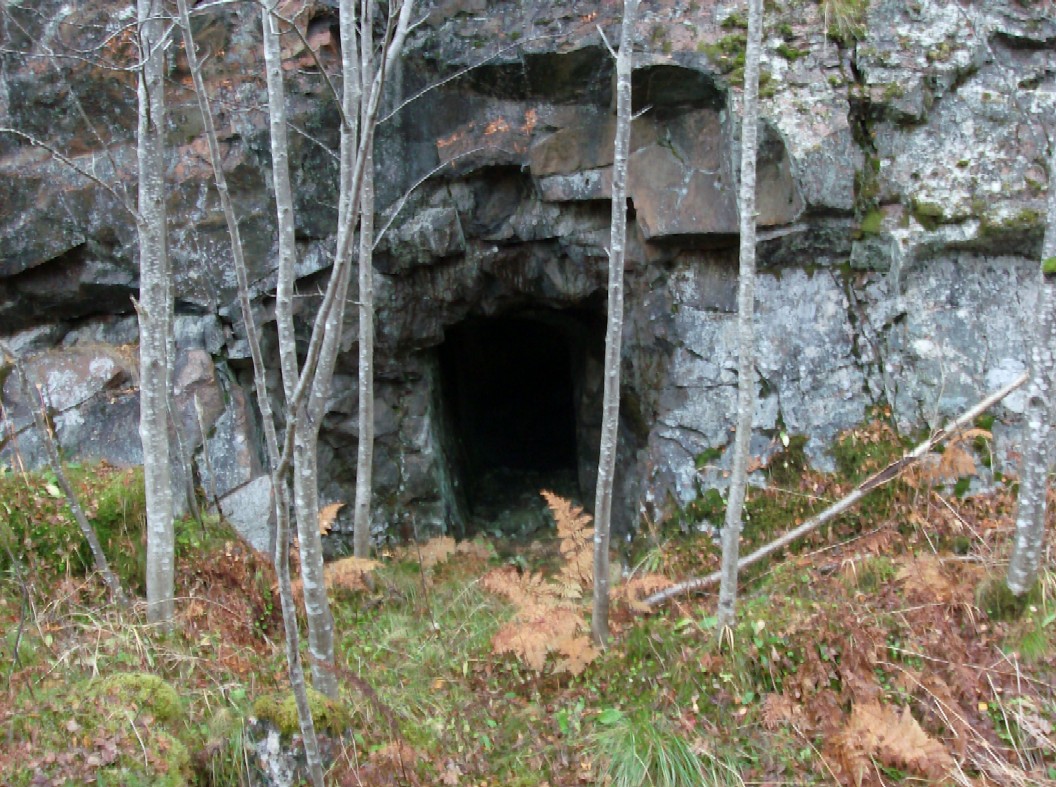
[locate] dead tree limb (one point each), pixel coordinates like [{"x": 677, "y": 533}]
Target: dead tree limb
[{"x": 889, "y": 473}]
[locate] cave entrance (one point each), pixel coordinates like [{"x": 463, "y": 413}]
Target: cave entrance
[{"x": 514, "y": 389}]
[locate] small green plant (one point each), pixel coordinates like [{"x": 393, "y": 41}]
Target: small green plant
[
  {"x": 42, "y": 533},
  {"x": 144, "y": 691},
  {"x": 873, "y": 573},
  {"x": 844, "y": 20},
  {"x": 640, "y": 749},
  {"x": 728, "y": 53},
  {"x": 790, "y": 53},
  {"x": 735, "y": 21}
]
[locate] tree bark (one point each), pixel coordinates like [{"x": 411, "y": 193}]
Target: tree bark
[
  {"x": 365, "y": 447},
  {"x": 1029, "y": 543},
  {"x": 731, "y": 530},
  {"x": 155, "y": 314},
  {"x": 305, "y": 485},
  {"x": 614, "y": 333},
  {"x": 281, "y": 501}
]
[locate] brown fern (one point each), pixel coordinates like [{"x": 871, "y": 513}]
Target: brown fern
[
  {"x": 881, "y": 733},
  {"x": 436, "y": 551},
  {"x": 575, "y": 529},
  {"x": 327, "y": 517},
  {"x": 531, "y": 638},
  {"x": 548, "y": 619},
  {"x": 350, "y": 573},
  {"x": 634, "y": 590}
]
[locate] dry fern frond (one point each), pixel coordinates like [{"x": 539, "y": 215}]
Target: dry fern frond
[
  {"x": 923, "y": 577},
  {"x": 880, "y": 732},
  {"x": 578, "y": 652},
  {"x": 435, "y": 551},
  {"x": 532, "y": 638},
  {"x": 327, "y": 516},
  {"x": 350, "y": 573},
  {"x": 476, "y": 550},
  {"x": 526, "y": 591},
  {"x": 637, "y": 588},
  {"x": 955, "y": 463},
  {"x": 781, "y": 710},
  {"x": 575, "y": 528}
]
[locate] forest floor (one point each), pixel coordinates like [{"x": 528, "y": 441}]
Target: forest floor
[{"x": 880, "y": 651}]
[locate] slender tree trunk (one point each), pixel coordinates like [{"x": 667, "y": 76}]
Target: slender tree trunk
[
  {"x": 305, "y": 486},
  {"x": 365, "y": 447},
  {"x": 614, "y": 332},
  {"x": 155, "y": 314},
  {"x": 1029, "y": 542},
  {"x": 731, "y": 531},
  {"x": 289, "y": 622},
  {"x": 280, "y": 173},
  {"x": 281, "y": 501}
]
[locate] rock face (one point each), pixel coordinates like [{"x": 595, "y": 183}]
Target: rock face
[{"x": 902, "y": 185}]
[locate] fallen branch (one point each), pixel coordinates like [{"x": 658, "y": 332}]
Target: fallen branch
[{"x": 890, "y": 472}]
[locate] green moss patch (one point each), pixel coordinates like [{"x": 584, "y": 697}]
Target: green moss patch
[
  {"x": 145, "y": 692},
  {"x": 329, "y": 715}
]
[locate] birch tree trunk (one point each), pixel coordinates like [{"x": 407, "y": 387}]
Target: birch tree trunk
[
  {"x": 281, "y": 501},
  {"x": 280, "y": 174},
  {"x": 155, "y": 313},
  {"x": 365, "y": 447},
  {"x": 1029, "y": 541},
  {"x": 305, "y": 486},
  {"x": 614, "y": 333},
  {"x": 731, "y": 530}
]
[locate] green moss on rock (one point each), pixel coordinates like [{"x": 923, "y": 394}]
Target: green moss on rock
[
  {"x": 871, "y": 223},
  {"x": 929, "y": 214},
  {"x": 790, "y": 53},
  {"x": 281, "y": 710}
]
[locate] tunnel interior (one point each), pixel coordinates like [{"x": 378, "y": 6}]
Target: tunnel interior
[{"x": 513, "y": 389}]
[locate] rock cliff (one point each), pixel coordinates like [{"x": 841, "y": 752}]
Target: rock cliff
[{"x": 902, "y": 180}]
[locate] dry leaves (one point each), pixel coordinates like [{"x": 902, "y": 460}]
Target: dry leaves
[{"x": 955, "y": 462}]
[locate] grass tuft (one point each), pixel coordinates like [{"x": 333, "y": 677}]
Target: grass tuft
[{"x": 640, "y": 749}]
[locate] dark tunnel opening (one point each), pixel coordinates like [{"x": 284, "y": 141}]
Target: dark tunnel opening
[{"x": 512, "y": 388}]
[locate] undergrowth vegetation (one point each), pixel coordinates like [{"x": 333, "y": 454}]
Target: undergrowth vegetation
[{"x": 881, "y": 650}]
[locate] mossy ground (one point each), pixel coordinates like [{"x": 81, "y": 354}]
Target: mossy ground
[{"x": 879, "y": 607}]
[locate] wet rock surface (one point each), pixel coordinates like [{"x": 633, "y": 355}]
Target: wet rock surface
[{"x": 902, "y": 185}]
